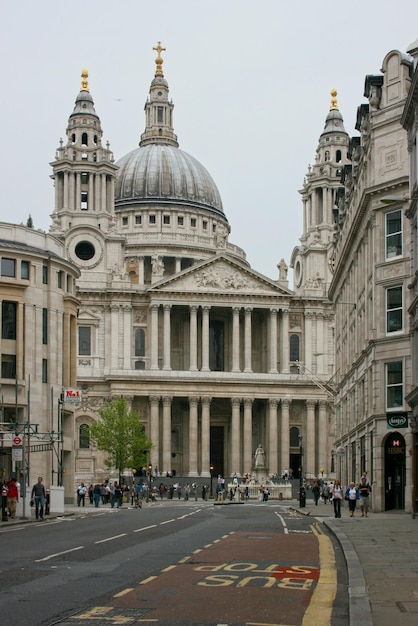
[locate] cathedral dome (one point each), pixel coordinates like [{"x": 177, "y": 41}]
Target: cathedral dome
[{"x": 164, "y": 174}]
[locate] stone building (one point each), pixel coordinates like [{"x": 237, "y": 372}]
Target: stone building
[
  {"x": 370, "y": 289},
  {"x": 215, "y": 357},
  {"x": 38, "y": 356},
  {"x": 410, "y": 123}
]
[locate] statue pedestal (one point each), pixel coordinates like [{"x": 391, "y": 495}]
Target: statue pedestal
[{"x": 260, "y": 475}]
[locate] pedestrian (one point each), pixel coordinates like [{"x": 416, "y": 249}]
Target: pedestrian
[
  {"x": 97, "y": 493},
  {"x": 316, "y": 492},
  {"x": 364, "y": 490},
  {"x": 325, "y": 492},
  {"x": 81, "y": 495},
  {"x": 337, "y": 495},
  {"x": 352, "y": 495},
  {"x": 38, "y": 495},
  {"x": 118, "y": 495},
  {"x": 4, "y": 492},
  {"x": 90, "y": 492},
  {"x": 12, "y": 497}
]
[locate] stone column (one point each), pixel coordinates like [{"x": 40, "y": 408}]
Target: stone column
[
  {"x": 111, "y": 195},
  {"x": 285, "y": 342},
  {"x": 178, "y": 265},
  {"x": 273, "y": 341},
  {"x": 323, "y": 457},
  {"x": 205, "y": 339},
  {"x": 273, "y": 437},
  {"x": 248, "y": 435},
  {"x": 308, "y": 339},
  {"x": 141, "y": 276},
  {"x": 154, "y": 336},
  {"x": 205, "y": 471},
  {"x": 167, "y": 337},
  {"x": 248, "y": 348},
  {"x": 97, "y": 192},
  {"x": 285, "y": 435},
  {"x": 66, "y": 191},
  {"x": 193, "y": 338},
  {"x": 71, "y": 190},
  {"x": 77, "y": 191},
  {"x": 127, "y": 336},
  {"x": 114, "y": 317},
  {"x": 155, "y": 430},
  {"x": 90, "y": 193},
  {"x": 236, "y": 436},
  {"x": 235, "y": 339},
  {"x": 167, "y": 400},
  {"x": 193, "y": 436},
  {"x": 309, "y": 446},
  {"x": 103, "y": 194}
]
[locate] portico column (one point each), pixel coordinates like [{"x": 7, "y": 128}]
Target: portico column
[
  {"x": 178, "y": 265},
  {"x": 323, "y": 457},
  {"x": 193, "y": 403},
  {"x": 205, "y": 469},
  {"x": 167, "y": 400},
  {"x": 155, "y": 429},
  {"x": 154, "y": 336},
  {"x": 205, "y": 339},
  {"x": 273, "y": 341},
  {"x": 272, "y": 449},
  {"x": 248, "y": 435},
  {"x": 235, "y": 339},
  {"x": 193, "y": 338},
  {"x": 285, "y": 435},
  {"x": 236, "y": 436},
  {"x": 114, "y": 321},
  {"x": 141, "y": 270},
  {"x": 247, "y": 335},
  {"x": 309, "y": 445},
  {"x": 167, "y": 337},
  {"x": 284, "y": 366}
]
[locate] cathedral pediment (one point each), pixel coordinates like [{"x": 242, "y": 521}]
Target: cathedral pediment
[{"x": 220, "y": 275}]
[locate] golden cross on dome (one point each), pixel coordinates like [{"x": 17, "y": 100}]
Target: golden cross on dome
[
  {"x": 84, "y": 82},
  {"x": 334, "y": 103},
  {"x": 159, "y": 60}
]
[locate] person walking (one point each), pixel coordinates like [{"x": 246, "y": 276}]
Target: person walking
[
  {"x": 12, "y": 497},
  {"x": 97, "y": 492},
  {"x": 352, "y": 495},
  {"x": 38, "y": 495},
  {"x": 337, "y": 495},
  {"x": 364, "y": 490},
  {"x": 316, "y": 492},
  {"x": 81, "y": 495}
]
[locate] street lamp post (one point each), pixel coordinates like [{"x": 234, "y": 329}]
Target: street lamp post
[
  {"x": 211, "y": 481},
  {"x": 332, "y": 462},
  {"x": 302, "y": 493}
]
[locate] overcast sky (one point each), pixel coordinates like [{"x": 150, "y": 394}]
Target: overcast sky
[{"x": 250, "y": 81}]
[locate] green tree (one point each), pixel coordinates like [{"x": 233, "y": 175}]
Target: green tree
[
  {"x": 29, "y": 222},
  {"x": 121, "y": 434}
]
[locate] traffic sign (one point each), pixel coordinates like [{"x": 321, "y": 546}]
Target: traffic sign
[{"x": 17, "y": 441}]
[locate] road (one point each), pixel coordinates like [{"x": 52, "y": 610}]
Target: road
[{"x": 174, "y": 563}]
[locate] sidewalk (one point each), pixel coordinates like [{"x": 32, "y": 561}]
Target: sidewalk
[{"x": 381, "y": 552}]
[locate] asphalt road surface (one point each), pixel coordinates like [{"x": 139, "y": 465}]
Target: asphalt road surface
[{"x": 174, "y": 563}]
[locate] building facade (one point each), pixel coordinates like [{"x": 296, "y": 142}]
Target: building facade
[
  {"x": 215, "y": 357},
  {"x": 370, "y": 289},
  {"x": 38, "y": 357}
]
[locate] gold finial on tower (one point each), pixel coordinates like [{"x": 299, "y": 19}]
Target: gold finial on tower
[
  {"x": 159, "y": 61},
  {"x": 334, "y": 103},
  {"x": 84, "y": 81}
]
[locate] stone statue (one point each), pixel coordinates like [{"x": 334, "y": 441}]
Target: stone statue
[
  {"x": 259, "y": 457},
  {"x": 282, "y": 267}
]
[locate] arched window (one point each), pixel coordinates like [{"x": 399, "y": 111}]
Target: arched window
[
  {"x": 84, "y": 437},
  {"x": 84, "y": 139},
  {"x": 338, "y": 156},
  {"x": 294, "y": 348},
  {"x": 139, "y": 342},
  {"x": 294, "y": 437}
]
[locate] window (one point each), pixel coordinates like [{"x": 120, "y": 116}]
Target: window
[
  {"x": 204, "y": 225},
  {"x": 44, "y": 326},
  {"x": 159, "y": 114},
  {"x": 84, "y": 178},
  {"x": 394, "y": 385},
  {"x": 138, "y": 219},
  {"x": 84, "y": 340},
  {"x": 166, "y": 219},
  {"x": 84, "y": 437},
  {"x": 8, "y": 320},
  {"x": 124, "y": 221},
  {"x": 152, "y": 219},
  {"x": 84, "y": 203},
  {"x": 294, "y": 348},
  {"x": 44, "y": 370},
  {"x": 193, "y": 222},
  {"x": 45, "y": 274},
  {"x": 394, "y": 312},
  {"x": 8, "y": 267},
  {"x": 139, "y": 342},
  {"x": 8, "y": 366},
  {"x": 180, "y": 220},
  {"x": 84, "y": 139},
  {"x": 24, "y": 270},
  {"x": 393, "y": 234},
  {"x": 59, "y": 279}
]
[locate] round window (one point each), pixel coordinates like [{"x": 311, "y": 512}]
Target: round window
[{"x": 85, "y": 250}]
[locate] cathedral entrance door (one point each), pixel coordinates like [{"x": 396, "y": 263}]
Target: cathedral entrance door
[{"x": 217, "y": 450}]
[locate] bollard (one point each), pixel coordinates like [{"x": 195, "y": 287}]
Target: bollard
[{"x": 302, "y": 497}]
